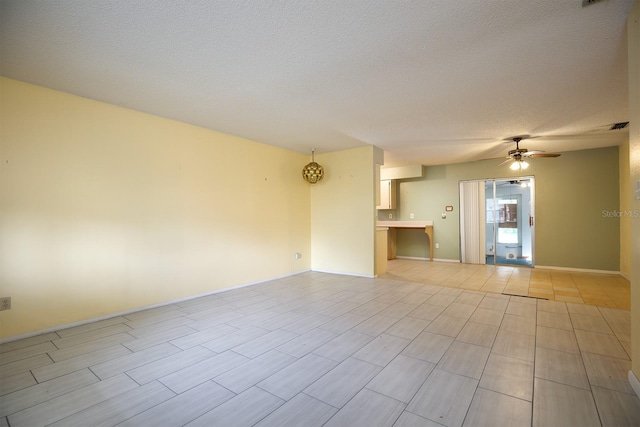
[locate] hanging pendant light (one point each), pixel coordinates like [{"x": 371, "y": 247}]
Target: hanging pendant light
[{"x": 312, "y": 172}]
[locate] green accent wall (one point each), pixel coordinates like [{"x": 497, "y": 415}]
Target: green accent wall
[{"x": 577, "y": 203}]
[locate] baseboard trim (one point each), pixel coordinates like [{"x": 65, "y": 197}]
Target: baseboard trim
[
  {"x": 147, "y": 307},
  {"x": 577, "y": 270},
  {"x": 626, "y": 276},
  {"x": 635, "y": 383},
  {"x": 428, "y": 259}
]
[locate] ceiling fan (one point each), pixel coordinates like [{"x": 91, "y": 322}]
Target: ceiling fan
[{"x": 518, "y": 156}]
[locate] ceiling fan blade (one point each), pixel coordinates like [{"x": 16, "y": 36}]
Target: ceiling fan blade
[
  {"x": 531, "y": 153},
  {"x": 506, "y": 161},
  {"x": 546, "y": 155}
]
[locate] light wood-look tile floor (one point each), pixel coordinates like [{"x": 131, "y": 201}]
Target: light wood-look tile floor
[
  {"x": 319, "y": 349},
  {"x": 606, "y": 290}
]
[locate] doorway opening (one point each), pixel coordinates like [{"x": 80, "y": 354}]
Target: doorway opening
[
  {"x": 496, "y": 221},
  {"x": 509, "y": 221}
]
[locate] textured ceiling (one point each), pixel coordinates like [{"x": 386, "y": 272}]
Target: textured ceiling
[{"x": 432, "y": 81}]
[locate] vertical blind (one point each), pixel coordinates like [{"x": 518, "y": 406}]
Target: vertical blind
[{"x": 472, "y": 219}]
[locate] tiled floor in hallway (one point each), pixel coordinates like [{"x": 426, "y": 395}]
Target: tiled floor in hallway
[
  {"x": 606, "y": 290},
  {"x": 319, "y": 349}
]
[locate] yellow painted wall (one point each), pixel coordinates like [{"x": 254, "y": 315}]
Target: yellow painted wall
[
  {"x": 625, "y": 207},
  {"x": 343, "y": 213},
  {"x": 105, "y": 209},
  {"x": 633, "y": 31}
]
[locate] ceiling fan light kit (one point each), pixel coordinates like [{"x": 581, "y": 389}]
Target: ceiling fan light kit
[
  {"x": 518, "y": 165},
  {"x": 517, "y": 157}
]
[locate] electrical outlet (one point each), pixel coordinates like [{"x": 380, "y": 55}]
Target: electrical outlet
[
  {"x": 390, "y": 216},
  {"x": 5, "y": 303},
  {"x": 411, "y": 216},
  {"x": 437, "y": 245}
]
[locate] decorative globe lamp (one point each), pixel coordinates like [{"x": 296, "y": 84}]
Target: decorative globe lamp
[{"x": 312, "y": 172}]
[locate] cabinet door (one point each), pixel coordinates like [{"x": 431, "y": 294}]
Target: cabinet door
[{"x": 387, "y": 194}]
